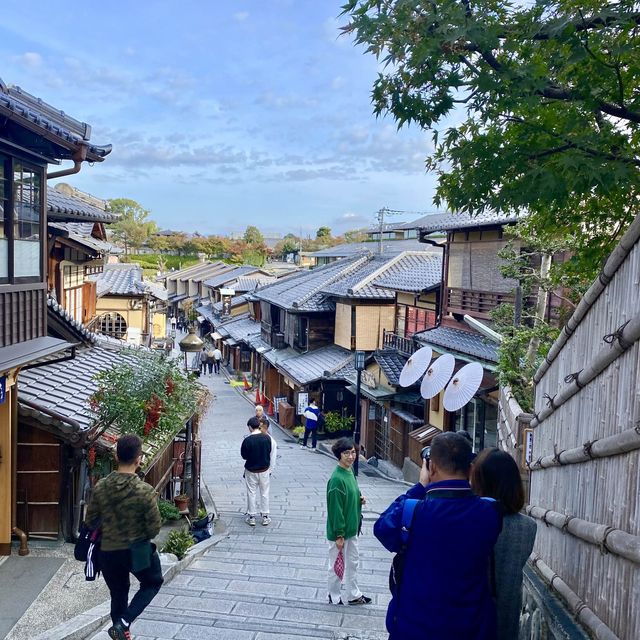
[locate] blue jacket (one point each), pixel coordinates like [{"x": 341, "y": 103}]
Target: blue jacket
[
  {"x": 311, "y": 417},
  {"x": 445, "y": 592}
]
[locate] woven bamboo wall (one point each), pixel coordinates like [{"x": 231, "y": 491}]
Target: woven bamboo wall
[{"x": 601, "y": 491}]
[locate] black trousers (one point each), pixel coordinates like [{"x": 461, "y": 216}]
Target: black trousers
[
  {"x": 314, "y": 437},
  {"x": 216, "y": 364},
  {"x": 116, "y": 567}
]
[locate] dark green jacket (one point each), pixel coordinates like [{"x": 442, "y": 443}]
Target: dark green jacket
[
  {"x": 343, "y": 504},
  {"x": 127, "y": 508}
]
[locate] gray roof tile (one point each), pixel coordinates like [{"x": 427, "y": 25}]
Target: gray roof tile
[
  {"x": 463, "y": 342},
  {"x": 389, "y": 247},
  {"x": 452, "y": 221},
  {"x": 125, "y": 280},
  {"x": 391, "y": 362},
  {"x": 240, "y": 328},
  {"x": 302, "y": 291},
  {"x": 414, "y": 273},
  {"x": 313, "y": 365},
  {"x": 229, "y": 276},
  {"x": 63, "y": 207}
]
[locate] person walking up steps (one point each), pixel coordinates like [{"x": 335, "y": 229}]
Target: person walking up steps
[
  {"x": 127, "y": 510},
  {"x": 256, "y": 452},
  {"x": 217, "y": 359},
  {"x": 344, "y": 508}
]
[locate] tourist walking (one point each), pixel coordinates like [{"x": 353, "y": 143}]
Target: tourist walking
[
  {"x": 344, "y": 510},
  {"x": 126, "y": 508},
  {"x": 217, "y": 359},
  {"x": 204, "y": 358},
  {"x": 311, "y": 414},
  {"x": 443, "y": 590},
  {"x": 495, "y": 474},
  {"x": 256, "y": 452}
]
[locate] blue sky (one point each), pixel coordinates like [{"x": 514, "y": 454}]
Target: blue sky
[{"x": 221, "y": 113}]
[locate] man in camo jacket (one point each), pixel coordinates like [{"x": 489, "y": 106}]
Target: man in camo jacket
[{"x": 127, "y": 510}]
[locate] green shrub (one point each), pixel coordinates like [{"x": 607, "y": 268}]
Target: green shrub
[
  {"x": 297, "y": 431},
  {"x": 333, "y": 422},
  {"x": 168, "y": 510},
  {"x": 179, "y": 542},
  {"x": 202, "y": 513}
]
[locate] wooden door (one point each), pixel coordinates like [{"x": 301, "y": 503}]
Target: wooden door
[{"x": 38, "y": 482}]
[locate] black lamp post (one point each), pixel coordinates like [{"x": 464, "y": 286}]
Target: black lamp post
[{"x": 359, "y": 367}]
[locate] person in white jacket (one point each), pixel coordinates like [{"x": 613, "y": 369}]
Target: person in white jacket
[{"x": 265, "y": 428}]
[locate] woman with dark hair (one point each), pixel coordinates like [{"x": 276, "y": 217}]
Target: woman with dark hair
[
  {"x": 344, "y": 506},
  {"x": 495, "y": 474}
]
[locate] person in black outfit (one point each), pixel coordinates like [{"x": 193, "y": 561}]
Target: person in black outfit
[{"x": 256, "y": 452}]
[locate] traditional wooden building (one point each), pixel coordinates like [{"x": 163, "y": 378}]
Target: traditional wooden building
[{"x": 32, "y": 135}]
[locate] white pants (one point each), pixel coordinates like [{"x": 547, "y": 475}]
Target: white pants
[
  {"x": 350, "y": 578},
  {"x": 257, "y": 492}
]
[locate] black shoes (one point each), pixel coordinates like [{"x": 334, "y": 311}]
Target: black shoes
[
  {"x": 119, "y": 632},
  {"x": 360, "y": 600}
]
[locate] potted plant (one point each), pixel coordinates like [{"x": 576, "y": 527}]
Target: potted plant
[
  {"x": 336, "y": 425},
  {"x": 179, "y": 542},
  {"x": 182, "y": 502},
  {"x": 168, "y": 510}
]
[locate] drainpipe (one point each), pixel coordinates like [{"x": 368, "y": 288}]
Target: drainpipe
[
  {"x": 24, "y": 549},
  {"x": 80, "y": 500},
  {"x": 78, "y": 158}
]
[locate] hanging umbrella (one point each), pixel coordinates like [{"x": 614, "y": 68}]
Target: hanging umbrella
[
  {"x": 437, "y": 376},
  {"x": 463, "y": 386},
  {"x": 416, "y": 365}
]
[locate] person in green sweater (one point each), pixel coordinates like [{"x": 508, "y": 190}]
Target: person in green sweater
[
  {"x": 127, "y": 510},
  {"x": 344, "y": 506}
]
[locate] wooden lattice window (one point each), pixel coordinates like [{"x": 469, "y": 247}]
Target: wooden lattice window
[{"x": 113, "y": 324}]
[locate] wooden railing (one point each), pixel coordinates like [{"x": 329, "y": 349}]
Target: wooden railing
[
  {"x": 394, "y": 341},
  {"x": 479, "y": 304}
]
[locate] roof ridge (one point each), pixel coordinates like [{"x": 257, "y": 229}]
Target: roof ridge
[
  {"x": 356, "y": 263},
  {"x": 372, "y": 276}
]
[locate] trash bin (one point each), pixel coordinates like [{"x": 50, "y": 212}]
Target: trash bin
[{"x": 286, "y": 415}]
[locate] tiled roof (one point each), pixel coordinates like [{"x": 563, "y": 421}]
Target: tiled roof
[
  {"x": 57, "y": 315},
  {"x": 251, "y": 283},
  {"x": 257, "y": 343},
  {"x": 452, "y": 221},
  {"x": 313, "y": 365},
  {"x": 408, "y": 417},
  {"x": 229, "y": 276},
  {"x": 302, "y": 291},
  {"x": 413, "y": 273},
  {"x": 365, "y": 282},
  {"x": 276, "y": 356},
  {"x": 389, "y": 247},
  {"x": 239, "y": 329},
  {"x": 125, "y": 280},
  {"x": 459, "y": 341},
  {"x": 60, "y": 206},
  {"x": 53, "y": 124},
  {"x": 391, "y": 362},
  {"x": 65, "y": 387},
  {"x": 76, "y": 232}
]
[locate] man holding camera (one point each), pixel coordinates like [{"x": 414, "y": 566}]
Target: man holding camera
[{"x": 444, "y": 589}]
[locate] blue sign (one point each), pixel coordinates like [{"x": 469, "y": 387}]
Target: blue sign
[{"x": 3, "y": 389}]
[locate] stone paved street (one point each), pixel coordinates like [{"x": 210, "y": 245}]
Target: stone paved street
[{"x": 269, "y": 582}]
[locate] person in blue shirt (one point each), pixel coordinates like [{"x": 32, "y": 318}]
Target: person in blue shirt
[
  {"x": 444, "y": 591},
  {"x": 311, "y": 414}
]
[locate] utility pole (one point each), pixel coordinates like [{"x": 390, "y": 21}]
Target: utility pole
[{"x": 381, "y": 213}]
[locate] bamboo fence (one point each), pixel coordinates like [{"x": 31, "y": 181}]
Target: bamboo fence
[{"x": 586, "y": 452}]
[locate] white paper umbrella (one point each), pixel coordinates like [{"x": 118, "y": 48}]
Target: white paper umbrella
[
  {"x": 416, "y": 365},
  {"x": 438, "y": 374},
  {"x": 463, "y": 386}
]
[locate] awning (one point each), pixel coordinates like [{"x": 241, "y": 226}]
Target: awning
[
  {"x": 230, "y": 342},
  {"x": 23, "y": 353},
  {"x": 215, "y": 336},
  {"x": 374, "y": 394}
]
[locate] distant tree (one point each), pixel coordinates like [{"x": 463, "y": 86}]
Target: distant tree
[
  {"x": 134, "y": 227},
  {"x": 355, "y": 235},
  {"x": 323, "y": 233},
  {"x": 158, "y": 243},
  {"x": 253, "y": 236}
]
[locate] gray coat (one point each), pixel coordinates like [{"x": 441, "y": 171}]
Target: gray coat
[{"x": 514, "y": 546}]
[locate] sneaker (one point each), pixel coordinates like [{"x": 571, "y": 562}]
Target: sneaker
[
  {"x": 251, "y": 521},
  {"x": 303, "y": 446},
  {"x": 331, "y": 601},
  {"x": 119, "y": 632},
  {"x": 360, "y": 600},
  {"x": 266, "y": 520}
]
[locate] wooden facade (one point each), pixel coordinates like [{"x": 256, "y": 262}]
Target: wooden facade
[{"x": 23, "y": 313}]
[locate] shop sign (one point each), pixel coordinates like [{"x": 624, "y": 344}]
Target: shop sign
[
  {"x": 303, "y": 402},
  {"x": 528, "y": 446},
  {"x": 277, "y": 401},
  {"x": 3, "y": 389},
  {"x": 369, "y": 380}
]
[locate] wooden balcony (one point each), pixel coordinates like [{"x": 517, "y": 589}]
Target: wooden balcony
[
  {"x": 478, "y": 304},
  {"x": 392, "y": 340}
]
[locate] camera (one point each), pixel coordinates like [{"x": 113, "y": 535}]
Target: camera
[{"x": 426, "y": 452}]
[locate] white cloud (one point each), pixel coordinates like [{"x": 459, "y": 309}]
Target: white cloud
[
  {"x": 338, "y": 83},
  {"x": 241, "y": 16},
  {"x": 30, "y": 59}
]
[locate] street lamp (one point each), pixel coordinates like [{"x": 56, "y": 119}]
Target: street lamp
[
  {"x": 359, "y": 366},
  {"x": 191, "y": 343}
]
